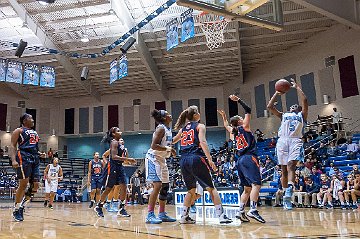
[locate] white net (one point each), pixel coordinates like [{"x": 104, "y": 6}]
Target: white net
[{"x": 213, "y": 27}]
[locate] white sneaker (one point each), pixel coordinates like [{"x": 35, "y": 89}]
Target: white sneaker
[
  {"x": 186, "y": 220},
  {"x": 224, "y": 219}
]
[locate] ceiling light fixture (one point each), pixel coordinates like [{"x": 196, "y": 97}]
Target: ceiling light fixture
[{"x": 45, "y": 2}]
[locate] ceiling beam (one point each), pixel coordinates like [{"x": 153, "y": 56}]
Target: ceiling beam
[
  {"x": 122, "y": 10},
  {"x": 47, "y": 42},
  {"x": 240, "y": 66},
  {"x": 345, "y": 11}
]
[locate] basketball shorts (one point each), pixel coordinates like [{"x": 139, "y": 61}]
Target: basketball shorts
[
  {"x": 29, "y": 166},
  {"x": 52, "y": 186},
  {"x": 289, "y": 149},
  {"x": 96, "y": 182},
  {"x": 194, "y": 168},
  {"x": 199, "y": 189},
  {"x": 248, "y": 170},
  {"x": 156, "y": 169},
  {"x": 115, "y": 175}
]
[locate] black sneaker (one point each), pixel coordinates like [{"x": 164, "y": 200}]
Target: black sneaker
[
  {"x": 255, "y": 215},
  {"x": 91, "y": 204},
  {"x": 186, "y": 220},
  {"x": 123, "y": 213},
  {"x": 51, "y": 207},
  {"x": 99, "y": 212},
  {"x": 17, "y": 215},
  {"x": 45, "y": 203},
  {"x": 242, "y": 216}
]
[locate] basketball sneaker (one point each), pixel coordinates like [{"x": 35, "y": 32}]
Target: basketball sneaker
[
  {"x": 255, "y": 215},
  {"x": 91, "y": 204},
  {"x": 242, "y": 216},
  {"x": 165, "y": 218},
  {"x": 123, "y": 213},
  {"x": 287, "y": 203},
  {"x": 152, "y": 219},
  {"x": 107, "y": 206},
  {"x": 114, "y": 206},
  {"x": 193, "y": 209},
  {"x": 99, "y": 212},
  {"x": 186, "y": 220},
  {"x": 51, "y": 207},
  {"x": 17, "y": 215},
  {"x": 224, "y": 219},
  {"x": 354, "y": 206},
  {"x": 45, "y": 203}
]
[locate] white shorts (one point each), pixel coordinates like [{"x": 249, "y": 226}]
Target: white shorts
[
  {"x": 52, "y": 186},
  {"x": 156, "y": 169},
  {"x": 289, "y": 149}
]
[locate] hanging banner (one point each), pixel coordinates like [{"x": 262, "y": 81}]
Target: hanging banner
[
  {"x": 31, "y": 74},
  {"x": 113, "y": 71},
  {"x": 14, "y": 72},
  {"x": 187, "y": 25},
  {"x": 172, "y": 35},
  {"x": 123, "y": 67},
  {"x": 3, "y": 67},
  {"x": 47, "y": 76}
]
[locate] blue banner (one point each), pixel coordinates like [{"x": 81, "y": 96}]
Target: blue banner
[
  {"x": 123, "y": 67},
  {"x": 31, "y": 74},
  {"x": 47, "y": 76},
  {"x": 187, "y": 25},
  {"x": 3, "y": 67},
  {"x": 113, "y": 71},
  {"x": 14, "y": 72},
  {"x": 172, "y": 34}
]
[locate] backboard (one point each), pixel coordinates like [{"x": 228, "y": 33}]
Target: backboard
[{"x": 241, "y": 10}]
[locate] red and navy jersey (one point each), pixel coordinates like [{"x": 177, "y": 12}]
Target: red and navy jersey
[
  {"x": 325, "y": 184},
  {"x": 121, "y": 153},
  {"x": 190, "y": 143},
  {"x": 28, "y": 141},
  {"x": 244, "y": 142},
  {"x": 351, "y": 184},
  {"x": 96, "y": 168}
]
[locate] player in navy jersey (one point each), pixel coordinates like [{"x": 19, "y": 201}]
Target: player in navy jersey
[
  {"x": 325, "y": 194},
  {"x": 115, "y": 171},
  {"x": 25, "y": 158},
  {"x": 95, "y": 173},
  {"x": 194, "y": 165},
  {"x": 247, "y": 162}
]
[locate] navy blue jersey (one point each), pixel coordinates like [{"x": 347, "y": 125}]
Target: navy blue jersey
[
  {"x": 121, "y": 153},
  {"x": 96, "y": 168},
  {"x": 190, "y": 143},
  {"x": 245, "y": 142},
  {"x": 28, "y": 141},
  {"x": 325, "y": 184}
]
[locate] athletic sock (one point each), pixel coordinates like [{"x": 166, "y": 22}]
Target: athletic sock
[
  {"x": 242, "y": 206},
  {"x": 17, "y": 206},
  {"x": 150, "y": 208},
  {"x": 100, "y": 204},
  {"x": 342, "y": 203},
  {"x": 185, "y": 211},
  {"x": 161, "y": 208},
  {"x": 122, "y": 204},
  {"x": 319, "y": 201},
  {"x": 253, "y": 206},
  {"x": 219, "y": 210}
]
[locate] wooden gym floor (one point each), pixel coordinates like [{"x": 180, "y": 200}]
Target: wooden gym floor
[{"x": 78, "y": 222}]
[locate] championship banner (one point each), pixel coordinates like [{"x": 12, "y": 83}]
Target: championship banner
[
  {"x": 3, "y": 67},
  {"x": 123, "y": 67},
  {"x": 47, "y": 76},
  {"x": 14, "y": 72},
  {"x": 187, "y": 25},
  {"x": 113, "y": 71},
  {"x": 31, "y": 74},
  {"x": 172, "y": 35}
]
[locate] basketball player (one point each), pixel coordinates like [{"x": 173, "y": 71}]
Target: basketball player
[
  {"x": 289, "y": 148},
  {"x": 115, "y": 171},
  {"x": 157, "y": 171},
  {"x": 53, "y": 174},
  {"x": 25, "y": 159},
  {"x": 194, "y": 166},
  {"x": 247, "y": 163},
  {"x": 95, "y": 173}
]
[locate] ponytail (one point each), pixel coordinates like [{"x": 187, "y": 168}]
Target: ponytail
[
  {"x": 108, "y": 136},
  {"x": 181, "y": 120}
]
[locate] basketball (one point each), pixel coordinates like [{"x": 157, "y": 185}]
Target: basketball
[{"x": 282, "y": 86}]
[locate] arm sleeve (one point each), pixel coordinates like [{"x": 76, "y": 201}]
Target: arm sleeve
[{"x": 245, "y": 106}]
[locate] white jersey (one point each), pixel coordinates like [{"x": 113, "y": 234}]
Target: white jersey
[
  {"x": 165, "y": 141},
  {"x": 53, "y": 173},
  {"x": 292, "y": 125}
]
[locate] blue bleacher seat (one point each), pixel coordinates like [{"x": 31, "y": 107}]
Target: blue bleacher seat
[
  {"x": 338, "y": 158},
  {"x": 342, "y": 168},
  {"x": 268, "y": 190},
  {"x": 274, "y": 184},
  {"x": 346, "y": 162}
]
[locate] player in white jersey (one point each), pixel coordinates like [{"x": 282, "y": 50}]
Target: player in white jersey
[
  {"x": 156, "y": 169},
  {"x": 289, "y": 148},
  {"x": 52, "y": 174}
]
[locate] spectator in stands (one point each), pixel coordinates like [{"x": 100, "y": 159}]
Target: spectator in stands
[
  {"x": 147, "y": 191},
  {"x": 272, "y": 143},
  {"x": 279, "y": 193},
  {"x": 315, "y": 175},
  {"x": 307, "y": 144},
  {"x": 332, "y": 150},
  {"x": 321, "y": 152},
  {"x": 179, "y": 183},
  {"x": 337, "y": 118},
  {"x": 309, "y": 161},
  {"x": 352, "y": 149},
  {"x": 50, "y": 154},
  {"x": 355, "y": 169},
  {"x": 259, "y": 135},
  {"x": 60, "y": 194},
  {"x": 223, "y": 183},
  {"x": 1, "y": 153},
  {"x": 355, "y": 192},
  {"x": 304, "y": 172},
  {"x": 311, "y": 189},
  {"x": 349, "y": 187},
  {"x": 268, "y": 167},
  {"x": 276, "y": 174},
  {"x": 67, "y": 194},
  {"x": 298, "y": 192}
]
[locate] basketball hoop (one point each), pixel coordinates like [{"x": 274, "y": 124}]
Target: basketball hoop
[{"x": 213, "y": 27}]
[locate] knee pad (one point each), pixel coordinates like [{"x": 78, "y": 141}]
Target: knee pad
[{"x": 163, "y": 191}]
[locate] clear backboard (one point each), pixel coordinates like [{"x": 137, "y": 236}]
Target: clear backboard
[{"x": 248, "y": 11}]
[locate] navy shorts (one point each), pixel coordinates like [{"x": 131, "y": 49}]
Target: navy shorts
[
  {"x": 114, "y": 175},
  {"x": 96, "y": 182},
  {"x": 195, "y": 168},
  {"x": 29, "y": 166},
  {"x": 249, "y": 170}
]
